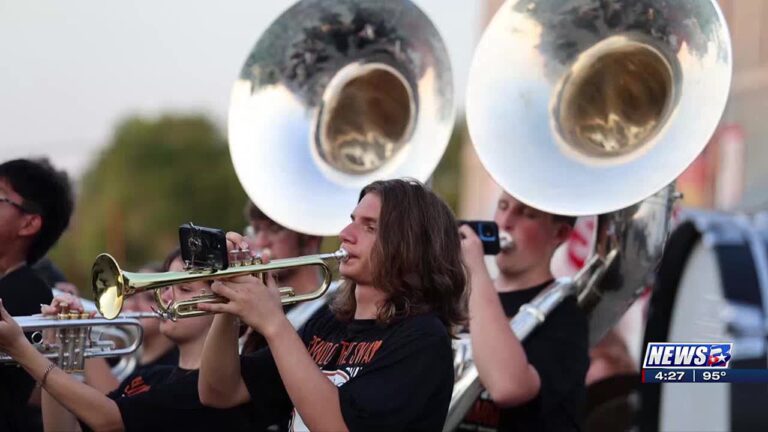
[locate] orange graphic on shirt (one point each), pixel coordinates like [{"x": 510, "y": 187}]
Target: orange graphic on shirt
[
  {"x": 355, "y": 353},
  {"x": 322, "y": 351},
  {"x": 136, "y": 386},
  {"x": 358, "y": 352}
]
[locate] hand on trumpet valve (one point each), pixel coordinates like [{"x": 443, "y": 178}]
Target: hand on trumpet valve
[
  {"x": 65, "y": 304},
  {"x": 257, "y": 304},
  {"x": 11, "y": 336},
  {"x": 241, "y": 251}
]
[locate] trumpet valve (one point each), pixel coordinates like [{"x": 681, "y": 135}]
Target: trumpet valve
[
  {"x": 287, "y": 292},
  {"x": 234, "y": 258},
  {"x": 242, "y": 257}
]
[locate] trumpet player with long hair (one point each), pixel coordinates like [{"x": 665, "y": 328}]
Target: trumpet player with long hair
[
  {"x": 380, "y": 358},
  {"x": 153, "y": 398}
]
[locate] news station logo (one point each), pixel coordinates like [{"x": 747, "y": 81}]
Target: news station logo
[{"x": 687, "y": 355}]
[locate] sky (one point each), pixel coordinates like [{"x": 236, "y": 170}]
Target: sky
[{"x": 70, "y": 70}]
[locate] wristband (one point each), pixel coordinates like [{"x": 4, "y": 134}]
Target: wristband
[{"x": 48, "y": 370}]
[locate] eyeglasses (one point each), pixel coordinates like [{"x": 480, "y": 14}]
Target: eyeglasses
[{"x": 21, "y": 207}]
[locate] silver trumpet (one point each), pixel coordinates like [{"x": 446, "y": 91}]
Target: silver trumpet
[{"x": 70, "y": 338}]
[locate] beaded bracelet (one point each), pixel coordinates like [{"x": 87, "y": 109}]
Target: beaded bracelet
[{"x": 48, "y": 370}]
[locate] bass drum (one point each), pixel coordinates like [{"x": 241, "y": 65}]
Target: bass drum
[{"x": 712, "y": 286}]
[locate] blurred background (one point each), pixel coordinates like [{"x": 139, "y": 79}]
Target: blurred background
[{"x": 131, "y": 99}]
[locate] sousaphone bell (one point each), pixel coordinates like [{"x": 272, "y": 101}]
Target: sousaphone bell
[
  {"x": 334, "y": 95},
  {"x": 587, "y": 107}
]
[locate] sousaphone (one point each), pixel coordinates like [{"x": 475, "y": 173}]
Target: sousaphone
[
  {"x": 336, "y": 94},
  {"x": 582, "y": 107}
]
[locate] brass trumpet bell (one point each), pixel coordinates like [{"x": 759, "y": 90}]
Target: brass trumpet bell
[
  {"x": 585, "y": 107},
  {"x": 334, "y": 95},
  {"x": 111, "y": 285}
]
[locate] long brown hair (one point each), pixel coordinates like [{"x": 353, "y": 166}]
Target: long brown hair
[{"x": 416, "y": 257}]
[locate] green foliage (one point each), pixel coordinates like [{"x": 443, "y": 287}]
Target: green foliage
[{"x": 153, "y": 176}]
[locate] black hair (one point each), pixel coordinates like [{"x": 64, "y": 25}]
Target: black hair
[{"x": 46, "y": 192}]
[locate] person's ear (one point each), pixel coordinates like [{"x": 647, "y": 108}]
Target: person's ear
[
  {"x": 32, "y": 225},
  {"x": 563, "y": 232}
]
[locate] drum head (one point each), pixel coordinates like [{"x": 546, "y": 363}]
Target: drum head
[{"x": 709, "y": 289}]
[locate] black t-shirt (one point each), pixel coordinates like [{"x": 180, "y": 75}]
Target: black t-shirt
[
  {"x": 164, "y": 398},
  {"x": 392, "y": 378},
  {"x": 169, "y": 358},
  {"x": 22, "y": 292},
  {"x": 256, "y": 342},
  {"x": 558, "y": 349}
]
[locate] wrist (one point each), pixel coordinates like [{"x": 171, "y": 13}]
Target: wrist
[
  {"x": 482, "y": 280},
  {"x": 44, "y": 378},
  {"x": 277, "y": 328},
  {"x": 227, "y": 320},
  {"x": 19, "y": 349}
]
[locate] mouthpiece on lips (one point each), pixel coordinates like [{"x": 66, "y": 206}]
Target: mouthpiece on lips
[{"x": 506, "y": 241}]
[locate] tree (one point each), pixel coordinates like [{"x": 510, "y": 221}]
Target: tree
[{"x": 154, "y": 175}]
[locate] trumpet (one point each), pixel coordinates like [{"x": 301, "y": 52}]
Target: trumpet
[
  {"x": 79, "y": 337},
  {"x": 111, "y": 284},
  {"x": 128, "y": 363}
]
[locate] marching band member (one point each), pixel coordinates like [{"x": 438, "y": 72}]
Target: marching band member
[
  {"x": 380, "y": 359},
  {"x": 35, "y": 206},
  {"x": 537, "y": 385},
  {"x": 153, "y": 398},
  {"x": 156, "y": 348},
  {"x": 274, "y": 241}
]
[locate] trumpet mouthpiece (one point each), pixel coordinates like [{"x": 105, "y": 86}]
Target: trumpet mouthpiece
[
  {"x": 341, "y": 254},
  {"x": 506, "y": 241}
]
